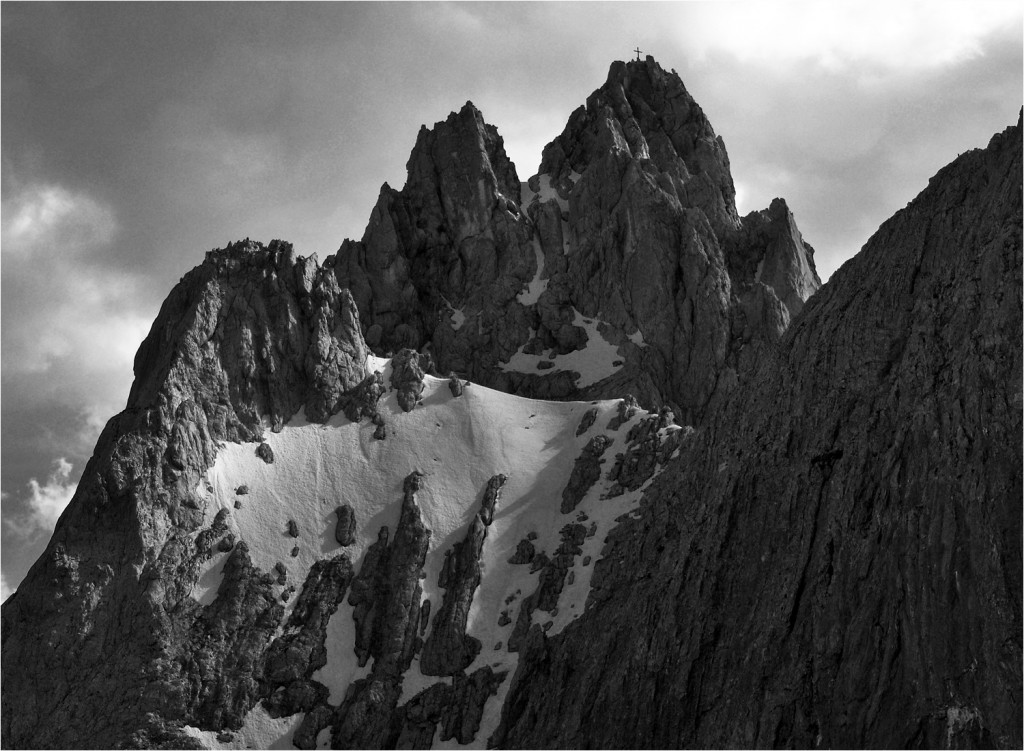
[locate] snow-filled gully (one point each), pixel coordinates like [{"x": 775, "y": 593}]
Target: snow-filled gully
[{"x": 458, "y": 443}]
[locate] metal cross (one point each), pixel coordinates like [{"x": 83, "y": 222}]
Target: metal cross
[{"x": 637, "y": 51}]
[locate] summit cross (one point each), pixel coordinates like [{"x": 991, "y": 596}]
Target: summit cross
[{"x": 637, "y": 51}]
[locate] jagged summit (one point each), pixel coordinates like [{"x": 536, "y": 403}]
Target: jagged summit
[
  {"x": 335, "y": 513},
  {"x": 621, "y": 267},
  {"x": 643, "y": 112}
]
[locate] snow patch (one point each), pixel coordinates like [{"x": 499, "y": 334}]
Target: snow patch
[
  {"x": 459, "y": 443},
  {"x": 532, "y": 293},
  {"x": 259, "y": 730},
  {"x": 458, "y": 318},
  {"x": 546, "y": 192},
  {"x": 595, "y": 362},
  {"x": 637, "y": 338}
]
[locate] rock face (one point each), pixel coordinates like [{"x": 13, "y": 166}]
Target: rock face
[
  {"x": 254, "y": 331},
  {"x": 829, "y": 554},
  {"x": 835, "y": 560},
  {"x": 627, "y": 239}
]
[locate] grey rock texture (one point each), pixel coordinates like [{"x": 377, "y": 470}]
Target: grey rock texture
[
  {"x": 252, "y": 331},
  {"x": 448, "y": 650},
  {"x": 345, "y": 528},
  {"x": 585, "y": 472},
  {"x": 835, "y": 558},
  {"x": 386, "y": 594},
  {"x": 829, "y": 557},
  {"x": 453, "y": 238},
  {"x": 646, "y": 241},
  {"x": 407, "y": 373}
]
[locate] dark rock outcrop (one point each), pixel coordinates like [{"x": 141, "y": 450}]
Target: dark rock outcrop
[
  {"x": 345, "y": 528},
  {"x": 300, "y": 651},
  {"x": 631, "y": 222},
  {"x": 585, "y": 472},
  {"x": 386, "y": 598},
  {"x": 830, "y": 557},
  {"x": 264, "y": 452},
  {"x": 835, "y": 559},
  {"x": 253, "y": 331},
  {"x": 550, "y": 583},
  {"x": 587, "y": 421},
  {"x": 448, "y": 650},
  {"x": 407, "y": 378},
  {"x": 456, "y": 709}
]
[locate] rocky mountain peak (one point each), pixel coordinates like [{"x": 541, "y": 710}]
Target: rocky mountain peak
[
  {"x": 285, "y": 541},
  {"x": 456, "y": 155},
  {"x": 644, "y": 112},
  {"x": 621, "y": 267}
]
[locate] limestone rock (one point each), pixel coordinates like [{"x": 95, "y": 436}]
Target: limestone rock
[
  {"x": 253, "y": 331},
  {"x": 294, "y": 657},
  {"x": 448, "y": 650},
  {"x": 345, "y": 529},
  {"x": 525, "y": 551},
  {"x": 264, "y": 452},
  {"x": 455, "y": 385},
  {"x": 811, "y": 569},
  {"x": 585, "y": 472},
  {"x": 407, "y": 378},
  {"x": 492, "y": 494},
  {"x": 587, "y": 421}
]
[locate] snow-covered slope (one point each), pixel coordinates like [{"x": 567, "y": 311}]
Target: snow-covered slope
[{"x": 458, "y": 443}]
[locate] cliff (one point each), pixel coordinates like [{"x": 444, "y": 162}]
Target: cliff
[{"x": 288, "y": 539}]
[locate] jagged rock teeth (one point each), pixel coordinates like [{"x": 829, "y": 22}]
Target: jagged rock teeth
[
  {"x": 345, "y": 528},
  {"x": 833, "y": 560},
  {"x": 265, "y": 452},
  {"x": 585, "y": 472},
  {"x": 589, "y": 417},
  {"x": 455, "y": 385},
  {"x": 490, "y": 500}
]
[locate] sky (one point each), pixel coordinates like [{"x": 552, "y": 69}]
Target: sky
[{"x": 135, "y": 137}]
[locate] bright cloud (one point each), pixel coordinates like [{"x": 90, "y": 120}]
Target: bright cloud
[
  {"x": 910, "y": 35},
  {"x": 45, "y": 502},
  {"x": 5, "y": 589},
  {"x": 51, "y": 218}
]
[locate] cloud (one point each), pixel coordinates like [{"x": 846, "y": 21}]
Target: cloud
[
  {"x": 45, "y": 218},
  {"x": 896, "y": 36},
  {"x": 5, "y": 589},
  {"x": 45, "y": 502},
  {"x": 80, "y": 312}
]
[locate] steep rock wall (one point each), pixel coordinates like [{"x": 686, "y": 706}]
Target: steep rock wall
[
  {"x": 835, "y": 558},
  {"x": 630, "y": 225},
  {"x": 102, "y": 644}
]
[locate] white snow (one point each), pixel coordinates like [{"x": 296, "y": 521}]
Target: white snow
[
  {"x": 458, "y": 318},
  {"x": 547, "y": 191},
  {"x": 594, "y": 362},
  {"x": 459, "y": 443},
  {"x": 259, "y": 730},
  {"x": 637, "y": 337},
  {"x": 532, "y": 293}
]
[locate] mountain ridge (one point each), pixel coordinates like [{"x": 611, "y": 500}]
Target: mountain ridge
[{"x": 199, "y": 591}]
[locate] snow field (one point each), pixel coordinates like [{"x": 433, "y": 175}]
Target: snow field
[
  {"x": 533, "y": 291},
  {"x": 594, "y": 362},
  {"x": 459, "y": 444},
  {"x": 260, "y": 730}
]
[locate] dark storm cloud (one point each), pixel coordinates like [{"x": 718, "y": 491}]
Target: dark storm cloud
[{"x": 138, "y": 136}]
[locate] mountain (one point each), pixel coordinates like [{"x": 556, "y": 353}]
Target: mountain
[
  {"x": 404, "y": 498},
  {"x": 622, "y": 267}
]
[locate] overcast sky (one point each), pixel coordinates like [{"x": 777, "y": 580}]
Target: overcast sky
[{"x": 135, "y": 137}]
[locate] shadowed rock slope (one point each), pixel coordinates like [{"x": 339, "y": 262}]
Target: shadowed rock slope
[
  {"x": 102, "y": 645},
  {"x": 835, "y": 559},
  {"x": 627, "y": 242}
]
